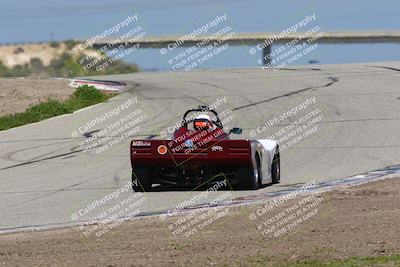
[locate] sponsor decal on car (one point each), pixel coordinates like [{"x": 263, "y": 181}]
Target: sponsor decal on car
[
  {"x": 162, "y": 150},
  {"x": 217, "y": 148},
  {"x": 141, "y": 143}
]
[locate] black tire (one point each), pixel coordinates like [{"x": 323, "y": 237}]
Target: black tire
[
  {"x": 142, "y": 179},
  {"x": 276, "y": 168},
  {"x": 249, "y": 177}
]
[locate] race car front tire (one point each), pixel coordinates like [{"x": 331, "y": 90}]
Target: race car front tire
[{"x": 141, "y": 178}]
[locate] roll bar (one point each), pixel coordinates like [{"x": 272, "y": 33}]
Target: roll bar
[{"x": 201, "y": 108}]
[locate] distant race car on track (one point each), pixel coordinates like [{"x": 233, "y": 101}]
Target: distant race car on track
[{"x": 201, "y": 152}]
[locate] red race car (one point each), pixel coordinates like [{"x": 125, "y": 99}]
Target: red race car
[{"x": 201, "y": 152}]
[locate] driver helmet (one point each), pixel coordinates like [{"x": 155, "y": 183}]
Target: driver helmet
[{"x": 202, "y": 122}]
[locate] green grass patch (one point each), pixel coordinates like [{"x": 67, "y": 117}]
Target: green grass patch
[
  {"x": 83, "y": 96},
  {"x": 350, "y": 262}
]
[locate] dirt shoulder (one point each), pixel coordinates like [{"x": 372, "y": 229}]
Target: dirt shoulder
[
  {"x": 16, "y": 95},
  {"x": 356, "y": 222}
]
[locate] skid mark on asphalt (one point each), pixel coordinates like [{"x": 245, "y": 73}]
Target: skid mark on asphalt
[
  {"x": 260, "y": 94},
  {"x": 142, "y": 135},
  {"x": 72, "y": 156},
  {"x": 58, "y": 190},
  {"x": 388, "y": 68},
  {"x": 43, "y": 159},
  {"x": 332, "y": 81},
  {"x": 208, "y": 84},
  {"x": 331, "y": 121},
  {"x": 90, "y": 134},
  {"x": 172, "y": 90},
  {"x": 52, "y": 157},
  {"x": 40, "y": 139},
  {"x": 73, "y": 150},
  {"x": 9, "y": 156}
]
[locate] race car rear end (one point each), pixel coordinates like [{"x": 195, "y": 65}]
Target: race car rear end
[{"x": 188, "y": 164}]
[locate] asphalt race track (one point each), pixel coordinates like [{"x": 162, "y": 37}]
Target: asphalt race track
[{"x": 45, "y": 176}]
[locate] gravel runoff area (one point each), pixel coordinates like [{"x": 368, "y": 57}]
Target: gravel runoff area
[
  {"x": 16, "y": 95},
  {"x": 352, "y": 222}
]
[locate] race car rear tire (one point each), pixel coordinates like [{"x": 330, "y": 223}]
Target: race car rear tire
[
  {"x": 276, "y": 169},
  {"x": 142, "y": 179},
  {"x": 249, "y": 177}
]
